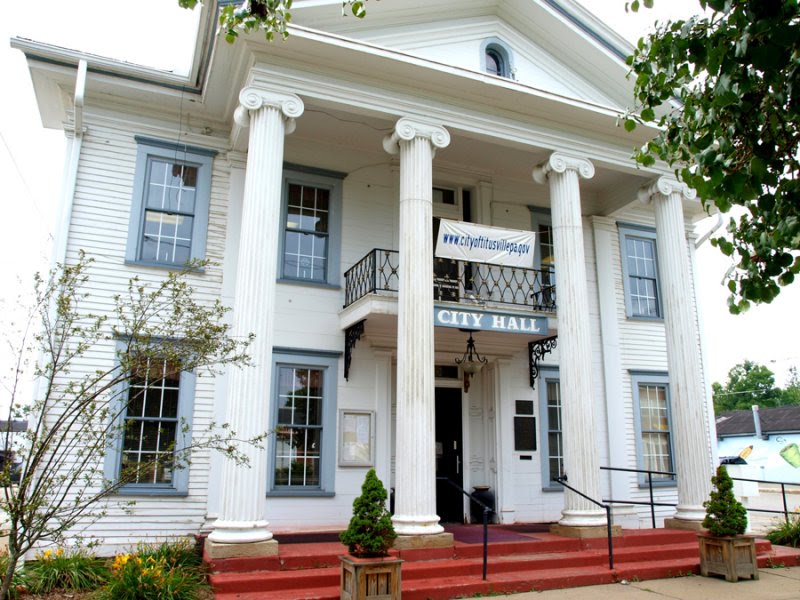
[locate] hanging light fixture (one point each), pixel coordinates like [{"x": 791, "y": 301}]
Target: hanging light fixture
[{"x": 471, "y": 362}]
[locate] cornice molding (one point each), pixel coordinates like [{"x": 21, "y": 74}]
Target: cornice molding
[
  {"x": 407, "y": 129},
  {"x": 559, "y": 162},
  {"x": 665, "y": 186}
]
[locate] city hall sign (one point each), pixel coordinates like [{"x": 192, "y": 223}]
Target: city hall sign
[{"x": 488, "y": 321}]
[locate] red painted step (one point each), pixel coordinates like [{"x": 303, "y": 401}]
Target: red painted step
[{"x": 545, "y": 561}]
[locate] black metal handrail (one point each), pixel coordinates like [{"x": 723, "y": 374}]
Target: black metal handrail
[
  {"x": 783, "y": 484},
  {"x": 486, "y": 511},
  {"x": 455, "y": 281},
  {"x": 652, "y": 504},
  {"x": 609, "y": 525}
]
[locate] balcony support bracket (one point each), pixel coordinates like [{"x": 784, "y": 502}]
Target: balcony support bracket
[
  {"x": 537, "y": 351},
  {"x": 351, "y": 335}
]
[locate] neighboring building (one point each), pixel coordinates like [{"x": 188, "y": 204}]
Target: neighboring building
[
  {"x": 496, "y": 113},
  {"x": 767, "y": 439}
]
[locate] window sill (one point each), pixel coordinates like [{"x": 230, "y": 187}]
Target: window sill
[
  {"x": 658, "y": 485},
  {"x": 298, "y": 493},
  {"x": 309, "y": 283},
  {"x": 163, "y": 266},
  {"x": 151, "y": 491},
  {"x": 552, "y": 489},
  {"x": 645, "y": 319}
]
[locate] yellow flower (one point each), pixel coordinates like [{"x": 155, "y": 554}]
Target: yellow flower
[
  {"x": 120, "y": 561},
  {"x": 59, "y": 552},
  {"x": 46, "y": 554}
]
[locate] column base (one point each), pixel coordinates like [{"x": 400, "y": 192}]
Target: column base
[
  {"x": 584, "y": 531},
  {"x": 582, "y": 518},
  {"x": 685, "y": 524},
  {"x": 415, "y": 542},
  {"x": 216, "y": 550},
  {"x": 240, "y": 532},
  {"x": 417, "y": 525}
]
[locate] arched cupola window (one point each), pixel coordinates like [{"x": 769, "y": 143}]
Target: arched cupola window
[{"x": 496, "y": 58}]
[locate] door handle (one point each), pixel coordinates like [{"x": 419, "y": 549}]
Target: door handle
[{"x": 458, "y": 465}]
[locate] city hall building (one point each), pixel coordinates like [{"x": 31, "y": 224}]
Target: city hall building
[{"x": 431, "y": 221}]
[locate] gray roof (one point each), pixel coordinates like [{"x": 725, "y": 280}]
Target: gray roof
[
  {"x": 781, "y": 419},
  {"x": 16, "y": 425}
]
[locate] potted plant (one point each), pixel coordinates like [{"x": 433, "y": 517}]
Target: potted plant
[
  {"x": 723, "y": 549},
  {"x": 368, "y": 571}
]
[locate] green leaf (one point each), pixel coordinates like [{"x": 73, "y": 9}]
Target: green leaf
[{"x": 629, "y": 125}]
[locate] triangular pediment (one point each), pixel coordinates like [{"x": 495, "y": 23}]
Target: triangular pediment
[{"x": 555, "y": 46}]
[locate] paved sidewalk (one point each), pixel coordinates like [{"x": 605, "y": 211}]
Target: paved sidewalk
[{"x": 774, "y": 584}]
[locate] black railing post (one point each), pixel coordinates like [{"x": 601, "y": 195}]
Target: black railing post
[
  {"x": 785, "y": 507},
  {"x": 485, "y": 539},
  {"x": 610, "y": 532},
  {"x": 652, "y": 506}
]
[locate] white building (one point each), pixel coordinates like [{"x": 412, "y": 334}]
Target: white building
[{"x": 499, "y": 113}]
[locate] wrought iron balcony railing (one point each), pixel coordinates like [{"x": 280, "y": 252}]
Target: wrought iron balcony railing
[{"x": 456, "y": 281}]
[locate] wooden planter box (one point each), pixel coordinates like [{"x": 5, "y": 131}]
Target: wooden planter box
[
  {"x": 370, "y": 578},
  {"x": 732, "y": 557}
]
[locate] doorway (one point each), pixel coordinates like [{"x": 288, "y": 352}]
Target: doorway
[{"x": 449, "y": 456}]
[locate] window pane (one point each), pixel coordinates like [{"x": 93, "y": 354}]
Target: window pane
[
  {"x": 150, "y": 422},
  {"x": 299, "y": 433}
]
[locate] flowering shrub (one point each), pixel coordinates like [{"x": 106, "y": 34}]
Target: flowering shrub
[
  {"x": 60, "y": 570},
  {"x": 165, "y": 572}
]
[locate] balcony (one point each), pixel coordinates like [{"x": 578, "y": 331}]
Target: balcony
[{"x": 456, "y": 281}]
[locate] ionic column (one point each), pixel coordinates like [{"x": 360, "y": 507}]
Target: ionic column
[
  {"x": 563, "y": 173},
  {"x": 270, "y": 116},
  {"x": 689, "y": 437},
  {"x": 415, "y": 469}
]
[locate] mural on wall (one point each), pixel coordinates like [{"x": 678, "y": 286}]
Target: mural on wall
[{"x": 773, "y": 459}]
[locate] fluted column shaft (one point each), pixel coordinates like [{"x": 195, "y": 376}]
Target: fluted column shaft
[
  {"x": 415, "y": 470},
  {"x": 575, "y": 370},
  {"x": 242, "y": 503},
  {"x": 685, "y": 381}
]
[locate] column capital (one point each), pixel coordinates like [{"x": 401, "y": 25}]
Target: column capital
[
  {"x": 665, "y": 186},
  {"x": 408, "y": 128},
  {"x": 559, "y": 162},
  {"x": 256, "y": 97}
]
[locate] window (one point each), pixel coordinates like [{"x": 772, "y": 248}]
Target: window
[
  {"x": 524, "y": 427},
  {"x": 304, "y": 423},
  {"x": 311, "y": 225},
  {"x": 640, "y": 269},
  {"x": 169, "y": 209},
  {"x": 153, "y": 415},
  {"x": 544, "y": 293},
  {"x": 653, "y": 425},
  {"x": 551, "y": 424},
  {"x": 496, "y": 58}
]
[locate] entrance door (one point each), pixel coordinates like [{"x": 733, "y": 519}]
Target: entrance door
[{"x": 449, "y": 461}]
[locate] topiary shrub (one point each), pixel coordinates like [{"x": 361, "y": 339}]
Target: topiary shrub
[
  {"x": 370, "y": 532},
  {"x": 725, "y": 515}
]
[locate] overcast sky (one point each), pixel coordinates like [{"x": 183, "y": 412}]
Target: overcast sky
[{"x": 157, "y": 33}]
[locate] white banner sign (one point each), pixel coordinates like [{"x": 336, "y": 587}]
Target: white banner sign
[{"x": 481, "y": 243}]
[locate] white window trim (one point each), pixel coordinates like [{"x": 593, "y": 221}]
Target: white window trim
[
  {"x": 202, "y": 158},
  {"x": 183, "y": 436},
  {"x": 660, "y": 379},
  {"x": 329, "y": 363},
  {"x": 318, "y": 178},
  {"x": 635, "y": 231}
]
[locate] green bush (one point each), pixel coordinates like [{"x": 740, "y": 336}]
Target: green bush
[
  {"x": 370, "y": 532},
  {"x": 786, "y": 533},
  {"x": 725, "y": 515},
  {"x": 64, "y": 570},
  {"x": 169, "y": 571}
]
